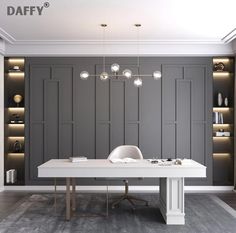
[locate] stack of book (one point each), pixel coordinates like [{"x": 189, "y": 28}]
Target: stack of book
[
  {"x": 11, "y": 176},
  {"x": 218, "y": 118},
  {"x": 78, "y": 159}
]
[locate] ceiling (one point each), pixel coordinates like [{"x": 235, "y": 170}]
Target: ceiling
[{"x": 164, "y": 21}]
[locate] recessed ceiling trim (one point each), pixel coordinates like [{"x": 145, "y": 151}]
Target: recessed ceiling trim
[
  {"x": 9, "y": 38},
  {"x": 229, "y": 37},
  {"x": 113, "y": 42},
  {"x": 6, "y": 36}
]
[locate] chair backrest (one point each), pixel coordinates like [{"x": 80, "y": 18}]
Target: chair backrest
[{"x": 126, "y": 151}]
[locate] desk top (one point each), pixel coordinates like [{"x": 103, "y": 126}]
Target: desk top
[{"x": 105, "y": 168}]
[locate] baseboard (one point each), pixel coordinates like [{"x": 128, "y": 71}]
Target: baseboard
[{"x": 117, "y": 189}]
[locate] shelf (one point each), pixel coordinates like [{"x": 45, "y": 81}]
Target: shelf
[
  {"x": 16, "y": 137},
  {"x": 222, "y": 125},
  {"x": 218, "y": 109},
  {"x": 222, "y": 137},
  {"x": 16, "y": 60},
  {"x": 221, "y": 154},
  {"x": 224, "y": 60},
  {"x": 221, "y": 74},
  {"x": 16, "y": 108},
  {"x": 16, "y": 154},
  {"x": 16, "y": 74}
]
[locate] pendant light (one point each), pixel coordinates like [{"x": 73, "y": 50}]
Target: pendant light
[{"x": 115, "y": 68}]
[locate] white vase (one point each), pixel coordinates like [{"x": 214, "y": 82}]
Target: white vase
[
  {"x": 226, "y": 102},
  {"x": 220, "y": 99}
]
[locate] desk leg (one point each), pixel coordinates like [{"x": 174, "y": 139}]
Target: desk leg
[
  {"x": 68, "y": 203},
  {"x": 73, "y": 194},
  {"x": 172, "y": 200}
]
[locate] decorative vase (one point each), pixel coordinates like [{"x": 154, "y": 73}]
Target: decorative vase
[
  {"x": 220, "y": 99},
  {"x": 226, "y": 102},
  {"x": 17, "y": 147}
]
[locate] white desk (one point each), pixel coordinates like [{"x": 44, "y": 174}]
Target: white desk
[{"x": 171, "y": 180}]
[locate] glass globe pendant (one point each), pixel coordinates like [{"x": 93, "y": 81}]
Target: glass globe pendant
[
  {"x": 84, "y": 75},
  {"x": 127, "y": 73},
  {"x": 104, "y": 76},
  {"x": 156, "y": 75},
  {"x": 138, "y": 82},
  {"x": 115, "y": 68}
]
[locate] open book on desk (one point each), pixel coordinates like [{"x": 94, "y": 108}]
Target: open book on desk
[{"x": 124, "y": 160}]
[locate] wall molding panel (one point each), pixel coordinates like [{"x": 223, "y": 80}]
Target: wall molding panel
[{"x": 166, "y": 118}]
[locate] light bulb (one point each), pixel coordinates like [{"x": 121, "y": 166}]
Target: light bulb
[
  {"x": 157, "y": 75},
  {"x": 104, "y": 76},
  {"x": 115, "y": 68},
  {"x": 84, "y": 75},
  {"x": 127, "y": 73},
  {"x": 138, "y": 82}
]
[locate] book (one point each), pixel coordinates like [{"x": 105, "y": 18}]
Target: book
[{"x": 78, "y": 159}]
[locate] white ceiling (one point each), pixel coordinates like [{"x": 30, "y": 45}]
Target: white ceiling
[
  {"x": 72, "y": 28},
  {"x": 176, "y": 21}
]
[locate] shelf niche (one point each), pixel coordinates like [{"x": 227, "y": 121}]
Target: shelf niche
[
  {"x": 223, "y": 147},
  {"x": 14, "y": 118}
]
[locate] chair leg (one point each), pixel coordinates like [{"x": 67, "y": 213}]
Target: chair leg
[
  {"x": 138, "y": 199},
  {"x": 128, "y": 197}
]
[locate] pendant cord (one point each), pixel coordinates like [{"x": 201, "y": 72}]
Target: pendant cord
[
  {"x": 138, "y": 50},
  {"x": 103, "y": 48}
]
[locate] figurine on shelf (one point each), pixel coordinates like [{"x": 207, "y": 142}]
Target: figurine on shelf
[
  {"x": 17, "y": 99},
  {"x": 17, "y": 147},
  {"x": 16, "y": 68},
  {"x": 16, "y": 119},
  {"x": 219, "y": 67}
]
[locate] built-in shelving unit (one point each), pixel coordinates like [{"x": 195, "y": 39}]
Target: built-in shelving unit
[
  {"x": 14, "y": 121},
  {"x": 223, "y": 120}
]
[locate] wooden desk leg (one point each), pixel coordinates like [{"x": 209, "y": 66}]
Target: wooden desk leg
[
  {"x": 73, "y": 194},
  {"x": 68, "y": 203}
]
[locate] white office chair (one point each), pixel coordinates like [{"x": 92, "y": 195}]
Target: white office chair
[{"x": 121, "y": 152}]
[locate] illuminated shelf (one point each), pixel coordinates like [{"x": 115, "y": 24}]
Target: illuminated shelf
[
  {"x": 221, "y": 154},
  {"x": 218, "y": 109},
  {"x": 221, "y": 74},
  {"x": 222, "y": 125},
  {"x": 16, "y": 137},
  {"x": 16, "y": 154},
  {"x": 16, "y": 108},
  {"x": 222, "y": 137},
  {"x": 224, "y": 60},
  {"x": 16, "y": 74},
  {"x": 16, "y": 60}
]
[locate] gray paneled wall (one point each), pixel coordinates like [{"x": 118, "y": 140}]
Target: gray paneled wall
[{"x": 67, "y": 116}]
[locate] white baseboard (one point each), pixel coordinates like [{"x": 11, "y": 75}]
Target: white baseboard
[{"x": 117, "y": 189}]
